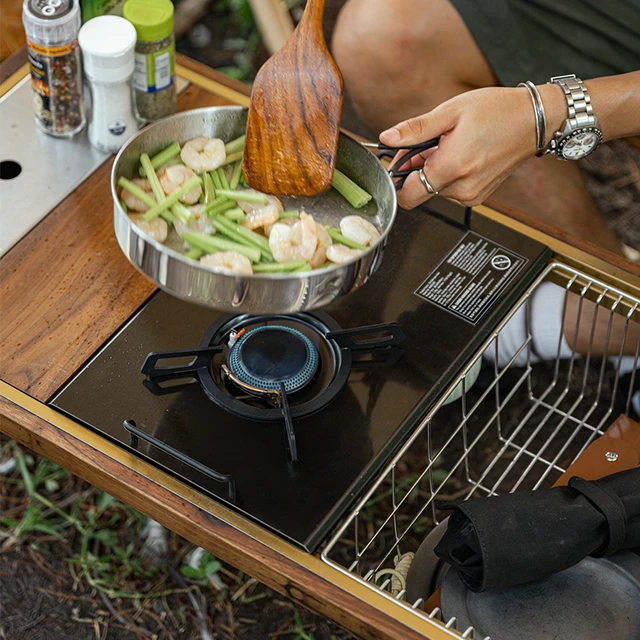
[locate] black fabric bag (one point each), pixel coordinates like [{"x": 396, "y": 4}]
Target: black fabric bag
[{"x": 507, "y": 540}]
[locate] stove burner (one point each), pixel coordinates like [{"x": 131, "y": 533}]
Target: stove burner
[
  {"x": 294, "y": 370},
  {"x": 266, "y": 356}
]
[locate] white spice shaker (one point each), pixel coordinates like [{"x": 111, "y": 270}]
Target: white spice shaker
[{"x": 107, "y": 44}]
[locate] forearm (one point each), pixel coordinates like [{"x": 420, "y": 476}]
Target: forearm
[{"x": 615, "y": 100}]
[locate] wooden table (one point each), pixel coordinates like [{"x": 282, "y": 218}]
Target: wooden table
[{"x": 66, "y": 289}]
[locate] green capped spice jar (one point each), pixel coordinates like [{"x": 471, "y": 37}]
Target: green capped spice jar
[{"x": 154, "y": 76}]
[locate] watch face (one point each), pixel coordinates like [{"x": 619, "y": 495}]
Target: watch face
[{"x": 579, "y": 143}]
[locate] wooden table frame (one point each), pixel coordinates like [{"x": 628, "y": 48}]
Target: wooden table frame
[{"x": 25, "y": 417}]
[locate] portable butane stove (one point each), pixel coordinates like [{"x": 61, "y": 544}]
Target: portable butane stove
[{"x": 286, "y": 418}]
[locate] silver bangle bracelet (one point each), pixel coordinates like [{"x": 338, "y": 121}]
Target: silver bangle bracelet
[{"x": 541, "y": 120}]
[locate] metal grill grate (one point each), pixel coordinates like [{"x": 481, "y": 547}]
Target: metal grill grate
[{"x": 517, "y": 428}]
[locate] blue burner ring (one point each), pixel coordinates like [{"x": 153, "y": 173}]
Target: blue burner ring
[{"x": 301, "y": 373}]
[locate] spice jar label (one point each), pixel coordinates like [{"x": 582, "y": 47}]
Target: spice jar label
[
  {"x": 56, "y": 82},
  {"x": 40, "y": 84},
  {"x": 154, "y": 71}
]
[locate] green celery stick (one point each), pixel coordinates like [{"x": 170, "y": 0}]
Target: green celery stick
[
  {"x": 235, "y": 145},
  {"x": 244, "y": 196},
  {"x": 224, "y": 183},
  {"x": 166, "y": 155},
  {"x": 212, "y": 244},
  {"x": 219, "y": 206},
  {"x": 355, "y": 195},
  {"x": 289, "y": 214},
  {"x": 156, "y": 187},
  {"x": 229, "y": 229},
  {"x": 280, "y": 267},
  {"x": 336, "y": 236},
  {"x": 215, "y": 178},
  {"x": 172, "y": 199},
  {"x": 209, "y": 188},
  {"x": 181, "y": 212},
  {"x": 194, "y": 254},
  {"x": 235, "y": 215},
  {"x": 235, "y": 176},
  {"x": 234, "y": 157},
  {"x": 137, "y": 192},
  {"x": 253, "y": 237}
]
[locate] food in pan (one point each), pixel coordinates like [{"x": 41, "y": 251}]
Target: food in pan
[{"x": 198, "y": 190}]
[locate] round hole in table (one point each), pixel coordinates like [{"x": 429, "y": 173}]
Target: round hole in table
[{"x": 10, "y": 169}]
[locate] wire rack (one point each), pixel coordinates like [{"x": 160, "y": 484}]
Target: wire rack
[{"x": 517, "y": 427}]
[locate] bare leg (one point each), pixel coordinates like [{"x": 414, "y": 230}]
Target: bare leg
[
  {"x": 609, "y": 331},
  {"x": 554, "y": 192},
  {"x": 401, "y": 58}
]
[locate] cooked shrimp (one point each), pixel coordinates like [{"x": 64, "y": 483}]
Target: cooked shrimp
[
  {"x": 203, "y": 154},
  {"x": 261, "y": 215},
  {"x": 229, "y": 262},
  {"x": 298, "y": 242},
  {"x": 133, "y": 204},
  {"x": 359, "y": 230},
  {"x": 288, "y": 221},
  {"x": 324, "y": 242},
  {"x": 172, "y": 178},
  {"x": 157, "y": 228},
  {"x": 198, "y": 222},
  {"x": 339, "y": 253}
]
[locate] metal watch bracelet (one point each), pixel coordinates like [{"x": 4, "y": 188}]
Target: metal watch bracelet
[{"x": 580, "y": 109}]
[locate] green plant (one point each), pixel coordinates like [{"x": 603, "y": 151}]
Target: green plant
[
  {"x": 207, "y": 564},
  {"x": 246, "y": 42},
  {"x": 106, "y": 528},
  {"x": 301, "y": 634}
]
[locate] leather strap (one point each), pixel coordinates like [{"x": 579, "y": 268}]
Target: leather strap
[{"x": 609, "y": 504}]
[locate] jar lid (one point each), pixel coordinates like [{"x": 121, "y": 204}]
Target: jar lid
[
  {"x": 51, "y": 22},
  {"x": 153, "y": 19},
  {"x": 107, "y": 44}
]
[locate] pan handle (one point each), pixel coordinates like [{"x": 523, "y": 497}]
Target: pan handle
[
  {"x": 136, "y": 434},
  {"x": 201, "y": 360},
  {"x": 380, "y": 335},
  {"x": 400, "y": 175}
]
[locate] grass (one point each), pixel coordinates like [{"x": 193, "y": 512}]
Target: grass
[{"x": 92, "y": 543}]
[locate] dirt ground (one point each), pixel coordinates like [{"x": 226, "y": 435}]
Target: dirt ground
[
  {"x": 42, "y": 592},
  {"x": 38, "y": 601}
]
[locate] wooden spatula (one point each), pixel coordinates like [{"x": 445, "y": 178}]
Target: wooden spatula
[{"x": 294, "y": 116}]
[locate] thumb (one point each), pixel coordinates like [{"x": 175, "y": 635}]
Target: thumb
[{"x": 420, "y": 129}]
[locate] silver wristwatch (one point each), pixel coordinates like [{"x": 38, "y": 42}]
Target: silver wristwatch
[{"x": 580, "y": 134}]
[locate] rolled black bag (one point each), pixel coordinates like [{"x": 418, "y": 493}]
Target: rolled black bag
[{"x": 503, "y": 541}]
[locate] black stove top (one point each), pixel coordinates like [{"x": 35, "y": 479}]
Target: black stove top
[{"x": 446, "y": 280}]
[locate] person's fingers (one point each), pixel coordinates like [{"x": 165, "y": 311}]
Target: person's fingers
[
  {"x": 420, "y": 129},
  {"x": 416, "y": 161},
  {"x": 413, "y": 193}
]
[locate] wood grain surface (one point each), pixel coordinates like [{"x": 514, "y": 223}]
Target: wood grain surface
[
  {"x": 563, "y": 236},
  {"x": 66, "y": 287},
  {"x": 294, "y": 116}
]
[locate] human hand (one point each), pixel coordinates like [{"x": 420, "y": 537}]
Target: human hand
[{"x": 485, "y": 135}]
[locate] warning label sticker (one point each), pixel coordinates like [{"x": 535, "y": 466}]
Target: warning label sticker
[{"x": 470, "y": 279}]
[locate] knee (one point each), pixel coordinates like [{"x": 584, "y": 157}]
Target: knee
[{"x": 377, "y": 38}]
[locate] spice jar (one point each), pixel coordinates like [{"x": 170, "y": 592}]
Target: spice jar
[
  {"x": 155, "y": 89},
  {"x": 54, "y": 58},
  {"x": 107, "y": 44}
]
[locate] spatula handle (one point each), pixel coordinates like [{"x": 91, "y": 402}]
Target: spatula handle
[{"x": 314, "y": 13}]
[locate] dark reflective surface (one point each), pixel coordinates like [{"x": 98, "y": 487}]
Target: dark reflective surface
[{"x": 344, "y": 444}]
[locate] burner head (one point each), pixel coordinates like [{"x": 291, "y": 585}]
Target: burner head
[{"x": 266, "y": 356}]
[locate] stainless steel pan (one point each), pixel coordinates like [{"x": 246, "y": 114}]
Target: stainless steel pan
[{"x": 167, "y": 266}]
